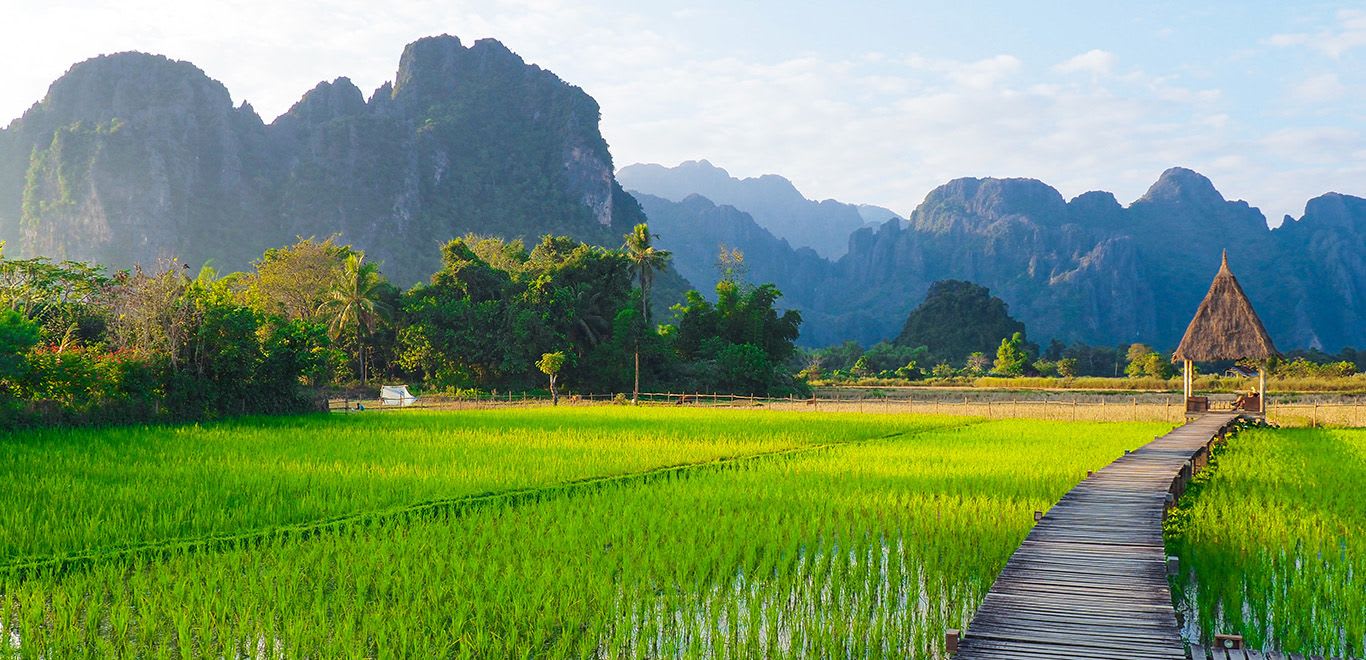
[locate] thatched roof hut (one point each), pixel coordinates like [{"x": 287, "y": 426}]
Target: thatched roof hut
[{"x": 1225, "y": 326}]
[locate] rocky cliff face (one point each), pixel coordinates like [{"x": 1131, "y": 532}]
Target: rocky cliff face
[
  {"x": 773, "y": 202},
  {"x": 1086, "y": 270},
  {"x": 1091, "y": 270},
  {"x": 134, "y": 157}
]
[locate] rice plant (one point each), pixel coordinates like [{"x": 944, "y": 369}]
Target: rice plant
[
  {"x": 854, "y": 549},
  {"x": 82, "y": 491},
  {"x": 1274, "y": 543}
]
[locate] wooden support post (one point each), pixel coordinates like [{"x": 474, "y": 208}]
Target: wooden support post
[
  {"x": 1187, "y": 377},
  {"x": 1261, "y": 387},
  {"x": 951, "y": 640}
]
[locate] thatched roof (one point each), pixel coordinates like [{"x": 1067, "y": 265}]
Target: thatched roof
[{"x": 1225, "y": 327}]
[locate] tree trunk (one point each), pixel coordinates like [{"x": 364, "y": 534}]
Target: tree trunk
[
  {"x": 554, "y": 395},
  {"x": 635, "y": 392}
]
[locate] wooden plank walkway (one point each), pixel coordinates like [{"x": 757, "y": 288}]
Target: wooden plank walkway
[
  {"x": 1201, "y": 653},
  {"x": 1090, "y": 580}
]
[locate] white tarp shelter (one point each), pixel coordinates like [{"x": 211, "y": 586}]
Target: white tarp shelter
[{"x": 396, "y": 395}]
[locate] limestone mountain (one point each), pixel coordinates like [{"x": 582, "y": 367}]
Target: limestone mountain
[
  {"x": 133, "y": 157},
  {"x": 773, "y": 202},
  {"x": 695, "y": 230},
  {"x": 1087, "y": 269}
]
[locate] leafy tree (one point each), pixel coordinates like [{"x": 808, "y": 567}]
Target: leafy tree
[
  {"x": 707, "y": 336},
  {"x": 1067, "y": 367},
  {"x": 550, "y": 365},
  {"x": 354, "y": 303},
  {"x": 646, "y": 259},
  {"x": 17, "y": 336},
  {"x": 293, "y": 282},
  {"x": 1045, "y": 368},
  {"x": 495, "y": 308},
  {"x": 60, "y": 297},
  {"x": 861, "y": 367},
  {"x": 1144, "y": 361},
  {"x": 942, "y": 370},
  {"x": 977, "y": 362},
  {"x": 1011, "y": 357},
  {"x": 957, "y": 319}
]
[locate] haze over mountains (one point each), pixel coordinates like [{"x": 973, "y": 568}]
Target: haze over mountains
[
  {"x": 770, "y": 199},
  {"x": 132, "y": 157},
  {"x": 1088, "y": 269}
]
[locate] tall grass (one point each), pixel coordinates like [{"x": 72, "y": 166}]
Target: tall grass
[
  {"x": 1274, "y": 543},
  {"x": 80, "y": 491},
  {"x": 857, "y": 549}
]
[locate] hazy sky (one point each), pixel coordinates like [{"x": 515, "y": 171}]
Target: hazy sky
[{"x": 874, "y": 102}]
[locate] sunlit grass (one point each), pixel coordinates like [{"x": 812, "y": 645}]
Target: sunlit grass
[
  {"x": 68, "y": 491},
  {"x": 1275, "y": 543},
  {"x": 870, "y": 548}
]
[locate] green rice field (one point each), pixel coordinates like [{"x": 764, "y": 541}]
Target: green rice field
[
  {"x": 583, "y": 532},
  {"x": 1273, "y": 542}
]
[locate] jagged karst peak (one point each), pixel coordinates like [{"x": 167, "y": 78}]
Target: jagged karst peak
[
  {"x": 328, "y": 101},
  {"x": 128, "y": 85},
  {"x": 426, "y": 55},
  {"x": 1334, "y": 210},
  {"x": 1182, "y": 185},
  {"x": 990, "y": 199},
  {"x": 1096, "y": 207}
]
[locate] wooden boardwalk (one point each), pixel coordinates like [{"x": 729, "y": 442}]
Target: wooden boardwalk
[
  {"x": 1200, "y": 653},
  {"x": 1090, "y": 580}
]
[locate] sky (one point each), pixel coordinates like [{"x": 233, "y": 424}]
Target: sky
[{"x": 865, "y": 102}]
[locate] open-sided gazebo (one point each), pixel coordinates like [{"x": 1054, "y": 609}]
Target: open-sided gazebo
[{"x": 1225, "y": 327}]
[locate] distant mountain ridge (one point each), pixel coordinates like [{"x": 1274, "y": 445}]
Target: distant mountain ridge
[
  {"x": 1088, "y": 269},
  {"x": 134, "y": 157},
  {"x": 773, "y": 202}
]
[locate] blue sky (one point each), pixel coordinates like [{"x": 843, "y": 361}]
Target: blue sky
[{"x": 872, "y": 102}]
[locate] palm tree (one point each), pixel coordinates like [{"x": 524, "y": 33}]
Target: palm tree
[
  {"x": 354, "y": 301},
  {"x": 646, "y": 259}
]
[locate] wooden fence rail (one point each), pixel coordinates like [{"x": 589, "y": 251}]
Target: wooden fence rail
[{"x": 1121, "y": 408}]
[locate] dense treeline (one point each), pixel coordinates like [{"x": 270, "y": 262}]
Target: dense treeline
[
  {"x": 961, "y": 332},
  {"x": 81, "y": 346}
]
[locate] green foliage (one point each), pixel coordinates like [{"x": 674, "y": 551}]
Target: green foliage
[
  {"x": 493, "y": 309},
  {"x": 355, "y": 304},
  {"x": 17, "y": 336},
  {"x": 1145, "y": 362},
  {"x": 1045, "y": 368},
  {"x": 726, "y": 341},
  {"x": 551, "y": 363},
  {"x": 1011, "y": 358},
  {"x": 1067, "y": 367},
  {"x": 956, "y": 319}
]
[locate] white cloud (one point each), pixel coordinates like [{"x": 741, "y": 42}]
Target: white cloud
[
  {"x": 1347, "y": 34},
  {"x": 1095, "y": 62},
  {"x": 1318, "y": 89}
]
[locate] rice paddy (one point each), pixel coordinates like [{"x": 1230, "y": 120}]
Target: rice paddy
[
  {"x": 1273, "y": 543},
  {"x": 679, "y": 532}
]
